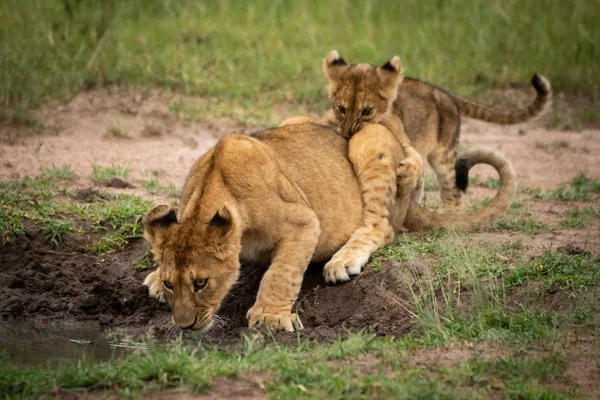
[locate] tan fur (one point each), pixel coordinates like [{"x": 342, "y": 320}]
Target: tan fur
[
  {"x": 379, "y": 161},
  {"x": 430, "y": 115},
  {"x": 289, "y": 195}
]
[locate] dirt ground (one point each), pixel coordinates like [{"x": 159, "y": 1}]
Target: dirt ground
[{"x": 137, "y": 130}]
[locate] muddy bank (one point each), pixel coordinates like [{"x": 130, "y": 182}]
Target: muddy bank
[{"x": 42, "y": 284}]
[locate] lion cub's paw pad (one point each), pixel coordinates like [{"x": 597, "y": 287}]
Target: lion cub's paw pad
[
  {"x": 285, "y": 321},
  {"x": 342, "y": 266},
  {"x": 155, "y": 289}
]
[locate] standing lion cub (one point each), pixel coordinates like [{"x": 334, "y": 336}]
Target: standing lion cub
[{"x": 362, "y": 94}]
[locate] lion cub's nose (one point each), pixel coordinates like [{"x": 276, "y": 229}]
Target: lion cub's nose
[{"x": 184, "y": 323}]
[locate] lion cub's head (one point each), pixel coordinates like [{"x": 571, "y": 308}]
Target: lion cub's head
[
  {"x": 199, "y": 262},
  {"x": 361, "y": 94}
]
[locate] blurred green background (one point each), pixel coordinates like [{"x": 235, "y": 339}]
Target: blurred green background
[{"x": 257, "y": 54}]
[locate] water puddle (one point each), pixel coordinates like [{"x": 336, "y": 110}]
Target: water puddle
[{"x": 29, "y": 344}]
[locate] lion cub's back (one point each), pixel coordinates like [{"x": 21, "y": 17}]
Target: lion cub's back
[{"x": 315, "y": 158}]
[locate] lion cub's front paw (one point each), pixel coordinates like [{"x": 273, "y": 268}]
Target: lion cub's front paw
[
  {"x": 155, "y": 288},
  {"x": 343, "y": 264},
  {"x": 408, "y": 173},
  {"x": 296, "y": 121},
  {"x": 286, "y": 321}
]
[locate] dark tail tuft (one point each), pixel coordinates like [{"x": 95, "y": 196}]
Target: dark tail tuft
[
  {"x": 540, "y": 84},
  {"x": 462, "y": 168},
  {"x": 339, "y": 61}
]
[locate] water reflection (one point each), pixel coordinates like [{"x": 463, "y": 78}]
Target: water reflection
[{"x": 35, "y": 344}]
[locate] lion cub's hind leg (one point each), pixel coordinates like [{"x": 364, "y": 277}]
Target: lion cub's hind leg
[
  {"x": 443, "y": 156},
  {"x": 443, "y": 162},
  {"x": 375, "y": 154}
]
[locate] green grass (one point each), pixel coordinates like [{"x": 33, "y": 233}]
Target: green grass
[
  {"x": 522, "y": 225},
  {"x": 102, "y": 174},
  {"x": 244, "y": 58},
  {"x": 117, "y": 131},
  {"x": 581, "y": 187},
  {"x": 492, "y": 183},
  {"x": 558, "y": 270},
  {"x": 360, "y": 366},
  {"x": 460, "y": 302},
  {"x": 147, "y": 261},
  {"x": 29, "y": 199},
  {"x": 119, "y": 238},
  {"x": 47, "y": 203},
  {"x": 21, "y": 117},
  {"x": 153, "y": 186},
  {"x": 579, "y": 217},
  {"x": 461, "y": 296},
  {"x": 64, "y": 173},
  {"x": 54, "y": 230}
]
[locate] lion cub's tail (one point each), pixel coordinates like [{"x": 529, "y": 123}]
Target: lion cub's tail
[
  {"x": 419, "y": 218},
  {"x": 469, "y": 108}
]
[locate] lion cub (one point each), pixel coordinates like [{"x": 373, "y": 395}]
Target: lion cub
[{"x": 362, "y": 94}]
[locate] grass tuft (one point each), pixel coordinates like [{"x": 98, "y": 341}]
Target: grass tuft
[
  {"x": 579, "y": 217},
  {"x": 54, "y": 231},
  {"x": 106, "y": 174},
  {"x": 524, "y": 225},
  {"x": 117, "y": 131},
  {"x": 153, "y": 186},
  {"x": 558, "y": 270},
  {"x": 581, "y": 187},
  {"x": 64, "y": 173}
]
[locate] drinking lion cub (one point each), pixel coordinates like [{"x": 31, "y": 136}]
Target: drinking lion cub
[{"x": 287, "y": 196}]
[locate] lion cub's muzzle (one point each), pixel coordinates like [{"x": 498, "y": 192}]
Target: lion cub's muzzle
[{"x": 196, "y": 323}]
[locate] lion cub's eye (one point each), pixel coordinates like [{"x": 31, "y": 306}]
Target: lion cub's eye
[
  {"x": 367, "y": 111},
  {"x": 168, "y": 285},
  {"x": 200, "y": 284},
  {"x": 341, "y": 109}
]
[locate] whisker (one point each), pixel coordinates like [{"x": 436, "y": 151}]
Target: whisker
[{"x": 220, "y": 322}]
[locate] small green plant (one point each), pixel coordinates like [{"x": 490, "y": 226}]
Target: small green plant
[
  {"x": 558, "y": 269},
  {"x": 579, "y": 217},
  {"x": 523, "y": 225},
  {"x": 492, "y": 183},
  {"x": 477, "y": 204},
  {"x": 114, "y": 241},
  {"x": 405, "y": 247},
  {"x": 581, "y": 187},
  {"x": 153, "y": 186},
  {"x": 54, "y": 231},
  {"x": 64, "y": 173},
  {"x": 117, "y": 131},
  {"x": 182, "y": 109},
  {"x": 10, "y": 223},
  {"x": 21, "y": 117},
  {"x": 116, "y": 212},
  {"x": 475, "y": 180},
  {"x": 147, "y": 261},
  {"x": 106, "y": 174}
]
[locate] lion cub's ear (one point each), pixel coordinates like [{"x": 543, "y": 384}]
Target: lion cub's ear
[
  {"x": 158, "y": 224},
  {"x": 333, "y": 67},
  {"x": 390, "y": 75},
  {"x": 219, "y": 231}
]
